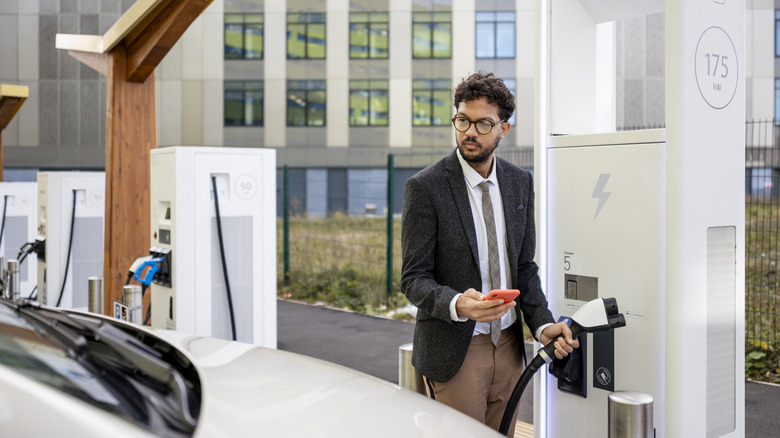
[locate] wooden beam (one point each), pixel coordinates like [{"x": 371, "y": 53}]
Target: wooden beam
[
  {"x": 8, "y": 107},
  {"x": 131, "y": 132},
  {"x": 150, "y": 47}
]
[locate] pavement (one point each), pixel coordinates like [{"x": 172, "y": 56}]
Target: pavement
[{"x": 371, "y": 344}]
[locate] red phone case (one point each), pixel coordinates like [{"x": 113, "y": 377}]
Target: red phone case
[{"x": 506, "y": 294}]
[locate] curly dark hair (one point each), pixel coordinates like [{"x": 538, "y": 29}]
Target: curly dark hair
[{"x": 486, "y": 85}]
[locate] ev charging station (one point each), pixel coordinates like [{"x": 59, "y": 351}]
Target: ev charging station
[
  {"x": 19, "y": 216},
  {"x": 71, "y": 208},
  {"x": 192, "y": 297},
  {"x": 654, "y": 218}
]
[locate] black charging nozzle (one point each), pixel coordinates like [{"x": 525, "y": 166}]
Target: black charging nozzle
[{"x": 599, "y": 315}]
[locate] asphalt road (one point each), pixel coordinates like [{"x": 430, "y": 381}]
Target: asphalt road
[{"x": 371, "y": 345}]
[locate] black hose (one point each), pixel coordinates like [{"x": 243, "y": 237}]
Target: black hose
[
  {"x": 222, "y": 255},
  {"x": 70, "y": 247},
  {"x": 514, "y": 399},
  {"x": 2, "y": 227}
]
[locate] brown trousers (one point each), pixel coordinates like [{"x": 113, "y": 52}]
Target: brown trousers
[{"x": 484, "y": 383}]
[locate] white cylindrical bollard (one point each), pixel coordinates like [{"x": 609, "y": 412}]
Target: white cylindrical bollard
[
  {"x": 406, "y": 376},
  {"x": 13, "y": 279},
  {"x": 95, "y": 295},
  {"x": 630, "y": 415},
  {"x": 132, "y": 297}
]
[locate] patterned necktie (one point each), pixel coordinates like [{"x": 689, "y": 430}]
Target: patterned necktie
[{"x": 495, "y": 269}]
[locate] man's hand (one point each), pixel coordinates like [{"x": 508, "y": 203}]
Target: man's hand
[
  {"x": 473, "y": 305},
  {"x": 564, "y": 344}
]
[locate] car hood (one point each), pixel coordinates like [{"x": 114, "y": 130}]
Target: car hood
[{"x": 251, "y": 390}]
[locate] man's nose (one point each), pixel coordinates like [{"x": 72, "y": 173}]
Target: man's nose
[{"x": 472, "y": 131}]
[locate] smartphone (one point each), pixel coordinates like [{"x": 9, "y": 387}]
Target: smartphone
[{"x": 506, "y": 294}]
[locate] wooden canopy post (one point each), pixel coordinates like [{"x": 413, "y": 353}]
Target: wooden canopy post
[
  {"x": 127, "y": 55},
  {"x": 11, "y": 99}
]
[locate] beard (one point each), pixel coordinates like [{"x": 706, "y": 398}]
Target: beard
[{"x": 479, "y": 156}]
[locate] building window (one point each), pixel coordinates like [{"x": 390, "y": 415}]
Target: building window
[
  {"x": 431, "y": 102},
  {"x": 432, "y": 35},
  {"x": 306, "y": 36},
  {"x": 368, "y": 35},
  {"x": 243, "y": 36},
  {"x": 305, "y": 103},
  {"x": 368, "y": 103},
  {"x": 495, "y": 34},
  {"x": 777, "y": 32},
  {"x": 243, "y": 103}
]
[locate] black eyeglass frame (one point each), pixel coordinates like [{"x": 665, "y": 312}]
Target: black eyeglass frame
[{"x": 475, "y": 123}]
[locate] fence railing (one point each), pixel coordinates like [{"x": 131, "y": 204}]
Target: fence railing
[{"x": 340, "y": 234}]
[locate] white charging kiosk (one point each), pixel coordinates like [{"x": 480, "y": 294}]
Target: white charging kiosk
[
  {"x": 19, "y": 200},
  {"x": 192, "y": 297},
  {"x": 71, "y": 208},
  {"x": 653, "y": 218}
]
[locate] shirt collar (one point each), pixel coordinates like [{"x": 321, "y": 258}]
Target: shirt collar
[{"x": 473, "y": 178}]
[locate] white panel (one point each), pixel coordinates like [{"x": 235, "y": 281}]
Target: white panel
[
  {"x": 170, "y": 111},
  {"x": 721, "y": 330},
  {"x": 572, "y": 90},
  {"x": 213, "y": 58},
  {"x": 213, "y": 113},
  {"x": 400, "y": 113},
  {"x": 338, "y": 112},
  {"x": 463, "y": 40},
  {"x": 275, "y": 95},
  {"x": 606, "y": 220},
  {"x": 192, "y": 50},
  {"x": 526, "y": 44}
]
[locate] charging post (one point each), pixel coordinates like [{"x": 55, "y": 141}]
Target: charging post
[
  {"x": 654, "y": 218},
  {"x": 197, "y": 243}
]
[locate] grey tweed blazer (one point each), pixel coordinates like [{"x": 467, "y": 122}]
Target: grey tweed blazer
[{"x": 439, "y": 249}]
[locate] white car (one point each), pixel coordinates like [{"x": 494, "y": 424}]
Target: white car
[{"x": 68, "y": 373}]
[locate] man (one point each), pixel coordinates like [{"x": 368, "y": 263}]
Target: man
[{"x": 468, "y": 228}]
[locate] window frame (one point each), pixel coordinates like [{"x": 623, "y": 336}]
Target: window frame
[
  {"x": 310, "y": 87},
  {"x": 431, "y": 23},
  {"x": 371, "y": 86},
  {"x": 244, "y": 89},
  {"x": 307, "y": 24},
  {"x": 433, "y": 87},
  {"x": 777, "y": 33},
  {"x": 372, "y": 19},
  {"x": 495, "y": 21},
  {"x": 243, "y": 24}
]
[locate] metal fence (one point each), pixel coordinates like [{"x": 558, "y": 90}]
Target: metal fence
[
  {"x": 340, "y": 235},
  {"x": 762, "y": 231}
]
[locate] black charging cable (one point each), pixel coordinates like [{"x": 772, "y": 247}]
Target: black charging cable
[
  {"x": 222, "y": 254},
  {"x": 70, "y": 247},
  {"x": 2, "y": 227}
]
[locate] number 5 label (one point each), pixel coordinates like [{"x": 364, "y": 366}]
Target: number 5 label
[{"x": 716, "y": 66}]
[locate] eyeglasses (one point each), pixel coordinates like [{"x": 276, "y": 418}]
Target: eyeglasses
[{"x": 483, "y": 126}]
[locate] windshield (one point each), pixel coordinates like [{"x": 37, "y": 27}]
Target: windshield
[
  {"x": 35, "y": 354},
  {"x": 115, "y": 367}
]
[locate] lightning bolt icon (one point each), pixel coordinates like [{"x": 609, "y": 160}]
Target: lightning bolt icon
[{"x": 600, "y": 194}]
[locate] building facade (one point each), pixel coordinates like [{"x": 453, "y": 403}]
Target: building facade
[{"x": 328, "y": 83}]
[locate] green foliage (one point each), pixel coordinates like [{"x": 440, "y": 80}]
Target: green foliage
[{"x": 762, "y": 362}]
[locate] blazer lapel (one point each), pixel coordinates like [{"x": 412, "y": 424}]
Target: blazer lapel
[{"x": 458, "y": 188}]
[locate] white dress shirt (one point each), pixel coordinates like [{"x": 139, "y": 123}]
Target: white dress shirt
[{"x": 473, "y": 179}]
